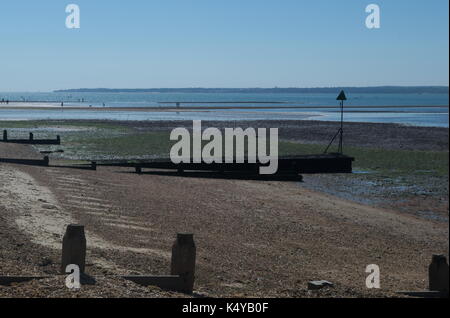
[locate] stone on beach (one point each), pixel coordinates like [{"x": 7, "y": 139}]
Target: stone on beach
[{"x": 319, "y": 284}]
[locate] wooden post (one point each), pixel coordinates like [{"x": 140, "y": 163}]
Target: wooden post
[
  {"x": 31, "y": 136},
  {"x": 93, "y": 165},
  {"x": 58, "y": 139},
  {"x": 183, "y": 261},
  {"x": 46, "y": 161},
  {"x": 438, "y": 274},
  {"x": 138, "y": 170},
  {"x": 74, "y": 247},
  {"x": 5, "y": 135}
]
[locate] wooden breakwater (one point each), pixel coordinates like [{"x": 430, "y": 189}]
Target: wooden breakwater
[
  {"x": 321, "y": 163},
  {"x": 30, "y": 140}
]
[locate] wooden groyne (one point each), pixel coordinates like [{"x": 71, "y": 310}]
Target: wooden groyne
[
  {"x": 321, "y": 163},
  {"x": 31, "y": 140},
  {"x": 28, "y": 162}
]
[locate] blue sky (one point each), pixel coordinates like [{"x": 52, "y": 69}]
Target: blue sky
[{"x": 221, "y": 43}]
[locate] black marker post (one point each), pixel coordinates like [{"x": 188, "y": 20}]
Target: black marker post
[
  {"x": 341, "y": 98},
  {"x": 340, "y": 132}
]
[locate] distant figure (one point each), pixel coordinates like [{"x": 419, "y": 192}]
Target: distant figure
[
  {"x": 7, "y": 101},
  {"x": 62, "y": 104},
  {"x": 103, "y": 104}
]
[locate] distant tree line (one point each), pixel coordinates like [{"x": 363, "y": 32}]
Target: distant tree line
[{"x": 369, "y": 90}]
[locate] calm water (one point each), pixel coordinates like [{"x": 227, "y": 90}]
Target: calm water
[{"x": 412, "y": 115}]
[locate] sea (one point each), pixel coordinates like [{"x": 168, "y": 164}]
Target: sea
[{"x": 427, "y": 109}]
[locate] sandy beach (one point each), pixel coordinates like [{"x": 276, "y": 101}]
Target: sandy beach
[{"x": 254, "y": 238}]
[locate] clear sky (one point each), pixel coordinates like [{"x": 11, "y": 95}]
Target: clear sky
[{"x": 221, "y": 43}]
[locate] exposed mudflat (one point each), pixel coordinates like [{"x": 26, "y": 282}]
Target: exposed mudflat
[
  {"x": 418, "y": 191},
  {"x": 370, "y": 135}
]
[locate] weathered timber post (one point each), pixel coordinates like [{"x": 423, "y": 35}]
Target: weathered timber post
[
  {"x": 93, "y": 165},
  {"x": 5, "y": 135},
  {"x": 438, "y": 274},
  {"x": 74, "y": 247},
  {"x": 46, "y": 161},
  {"x": 31, "y": 136},
  {"x": 183, "y": 261}
]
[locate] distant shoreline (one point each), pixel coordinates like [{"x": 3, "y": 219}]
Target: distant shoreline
[
  {"x": 57, "y": 105},
  {"x": 330, "y": 90}
]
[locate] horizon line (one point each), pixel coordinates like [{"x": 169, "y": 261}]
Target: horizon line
[{"x": 233, "y": 88}]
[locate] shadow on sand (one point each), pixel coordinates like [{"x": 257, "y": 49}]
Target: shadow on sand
[
  {"x": 184, "y": 174},
  {"x": 223, "y": 175}
]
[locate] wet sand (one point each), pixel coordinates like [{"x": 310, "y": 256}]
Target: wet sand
[{"x": 368, "y": 135}]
